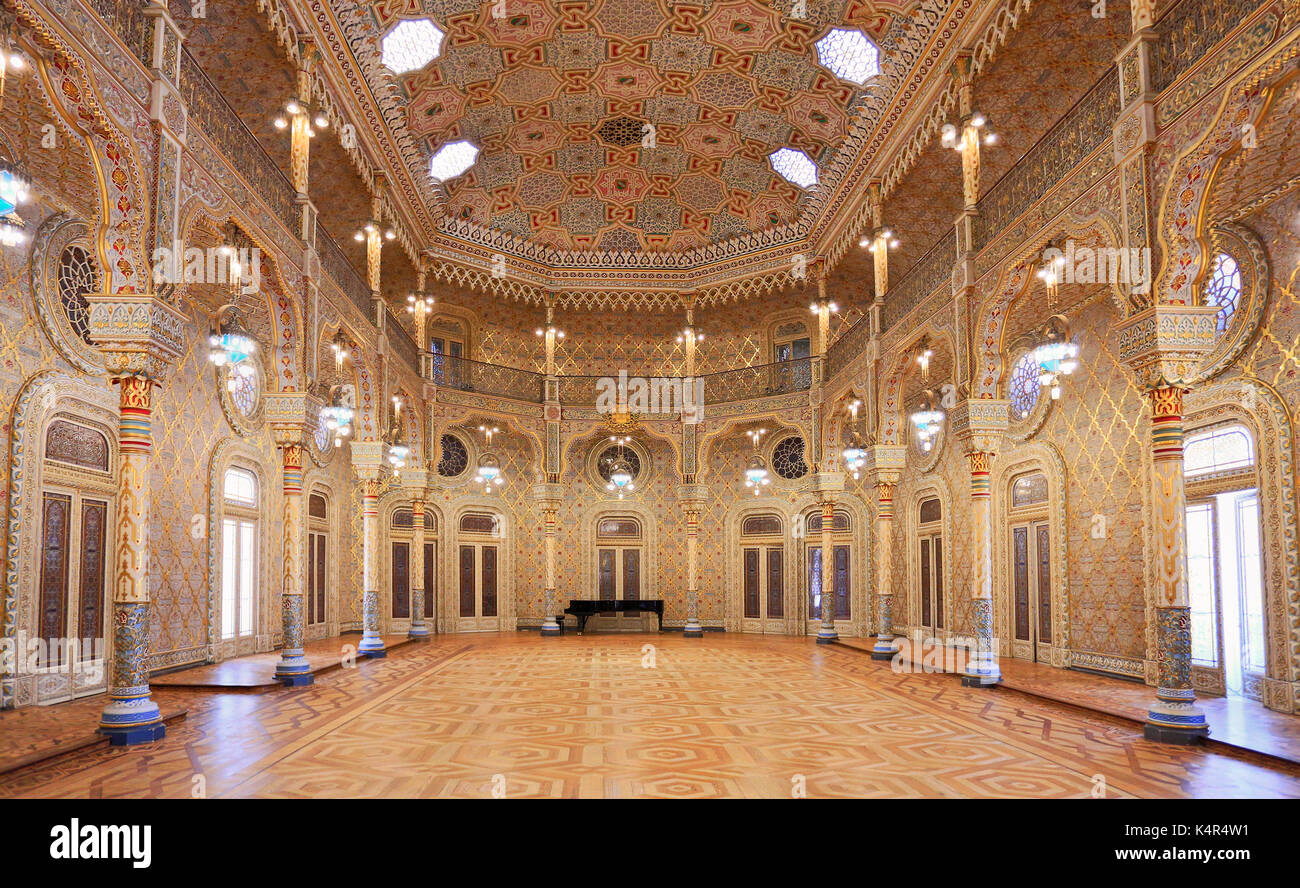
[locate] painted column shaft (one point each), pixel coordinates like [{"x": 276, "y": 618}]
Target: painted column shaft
[
  {"x": 131, "y": 715},
  {"x": 419, "y": 629},
  {"x": 981, "y": 665},
  {"x": 885, "y": 644},
  {"x": 1175, "y": 705},
  {"x": 371, "y": 642},
  {"x": 293, "y": 598},
  {"x": 549, "y": 626},
  {"x": 827, "y": 631},
  {"x": 693, "y": 627}
]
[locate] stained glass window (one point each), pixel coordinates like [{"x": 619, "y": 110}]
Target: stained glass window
[
  {"x": 610, "y": 454},
  {"x": 794, "y": 166},
  {"x": 1029, "y": 490},
  {"x": 244, "y": 390},
  {"x": 1024, "y": 386},
  {"x": 77, "y": 277},
  {"x": 454, "y": 457},
  {"x": 1224, "y": 289},
  {"x": 411, "y": 45},
  {"x": 849, "y": 55},
  {"x": 787, "y": 458}
]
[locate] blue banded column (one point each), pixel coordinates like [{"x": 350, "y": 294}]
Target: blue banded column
[
  {"x": 547, "y": 496},
  {"x": 367, "y": 462},
  {"x": 293, "y": 669},
  {"x": 691, "y": 497},
  {"x": 885, "y": 647}
]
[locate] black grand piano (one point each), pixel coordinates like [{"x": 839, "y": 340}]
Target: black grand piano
[{"x": 586, "y": 608}]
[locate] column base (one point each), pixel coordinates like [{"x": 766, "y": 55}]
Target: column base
[
  {"x": 1176, "y": 736},
  {"x": 885, "y": 648},
  {"x": 550, "y": 628},
  {"x": 1175, "y": 718},
  {"x": 131, "y": 735},
  {"x": 132, "y": 717},
  {"x": 372, "y": 646},
  {"x": 295, "y": 679},
  {"x": 692, "y": 629},
  {"x": 979, "y": 681},
  {"x": 827, "y": 635},
  {"x": 418, "y": 633}
]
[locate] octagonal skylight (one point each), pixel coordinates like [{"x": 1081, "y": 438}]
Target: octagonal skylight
[
  {"x": 794, "y": 166},
  {"x": 452, "y": 159},
  {"x": 849, "y": 55},
  {"x": 411, "y": 45}
]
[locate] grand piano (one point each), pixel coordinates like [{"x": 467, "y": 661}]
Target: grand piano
[{"x": 586, "y": 608}]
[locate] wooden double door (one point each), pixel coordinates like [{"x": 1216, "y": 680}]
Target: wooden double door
[
  {"x": 763, "y": 604},
  {"x": 401, "y": 602},
  {"x": 619, "y": 578},
  {"x": 1031, "y": 591},
  {"x": 478, "y": 572}
]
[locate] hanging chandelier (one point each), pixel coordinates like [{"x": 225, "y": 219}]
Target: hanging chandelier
[
  {"x": 231, "y": 347},
  {"x": 756, "y": 474},
  {"x": 294, "y": 108},
  {"x": 337, "y": 417},
  {"x": 339, "y": 346},
  {"x": 927, "y": 418},
  {"x": 855, "y": 456},
  {"x": 15, "y": 188},
  {"x": 1051, "y": 345},
  {"x": 620, "y": 469},
  {"x": 489, "y": 467}
]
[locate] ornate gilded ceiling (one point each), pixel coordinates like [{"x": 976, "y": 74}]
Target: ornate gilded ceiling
[{"x": 636, "y": 133}]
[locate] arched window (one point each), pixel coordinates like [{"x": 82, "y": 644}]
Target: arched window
[
  {"x": 239, "y": 555},
  {"x": 761, "y": 525},
  {"x": 788, "y": 459},
  {"x": 1221, "y": 449},
  {"x": 1223, "y": 289},
  {"x": 75, "y": 444},
  {"x": 1024, "y": 386},
  {"x": 618, "y": 528},
  {"x": 930, "y": 565},
  {"x": 1029, "y": 490}
]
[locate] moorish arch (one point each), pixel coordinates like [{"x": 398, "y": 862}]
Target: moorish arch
[{"x": 902, "y": 369}]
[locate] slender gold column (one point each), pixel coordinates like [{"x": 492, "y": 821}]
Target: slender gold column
[
  {"x": 981, "y": 664},
  {"x": 691, "y": 497},
  {"x": 419, "y": 629},
  {"x": 885, "y": 647},
  {"x": 293, "y": 669},
  {"x": 827, "y": 634}
]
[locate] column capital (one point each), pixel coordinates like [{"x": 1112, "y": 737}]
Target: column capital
[
  {"x": 416, "y": 483},
  {"x": 1163, "y": 344},
  {"x": 692, "y": 496},
  {"x": 292, "y": 416},
  {"x": 884, "y": 463},
  {"x": 368, "y": 459},
  {"x": 978, "y": 424},
  {"x": 547, "y": 494},
  {"x": 140, "y": 335},
  {"x": 825, "y": 485}
]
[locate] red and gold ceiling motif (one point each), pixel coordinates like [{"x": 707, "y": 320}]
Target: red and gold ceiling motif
[{"x": 637, "y": 133}]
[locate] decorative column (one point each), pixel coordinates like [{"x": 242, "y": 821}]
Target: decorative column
[
  {"x": 140, "y": 337},
  {"x": 978, "y": 425},
  {"x": 547, "y": 495},
  {"x": 691, "y": 497},
  {"x": 825, "y": 486},
  {"x": 416, "y": 480},
  {"x": 367, "y": 460},
  {"x": 292, "y": 417},
  {"x": 885, "y": 469},
  {"x": 1164, "y": 344}
]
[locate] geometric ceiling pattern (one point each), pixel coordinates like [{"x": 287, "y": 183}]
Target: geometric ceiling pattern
[{"x": 631, "y": 126}]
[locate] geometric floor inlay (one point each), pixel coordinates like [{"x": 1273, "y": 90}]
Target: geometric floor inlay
[{"x": 728, "y": 715}]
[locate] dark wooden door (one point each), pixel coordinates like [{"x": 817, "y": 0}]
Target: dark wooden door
[
  {"x": 56, "y": 528},
  {"x": 775, "y": 583},
  {"x": 1020, "y": 580},
  {"x": 606, "y": 578},
  {"x": 841, "y": 577},
  {"x": 318, "y": 568},
  {"x": 92, "y": 587},
  {"x": 1043, "y": 552},
  {"x": 401, "y": 580},
  {"x": 927, "y": 594},
  {"x": 467, "y": 603},
  {"x": 489, "y": 581},
  {"x": 751, "y": 584},
  {"x": 430, "y": 578},
  {"x": 631, "y": 574},
  {"x": 815, "y": 583}
]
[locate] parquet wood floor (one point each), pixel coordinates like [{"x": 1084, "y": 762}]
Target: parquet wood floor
[
  {"x": 1234, "y": 721},
  {"x": 580, "y": 716},
  {"x": 258, "y": 670}
]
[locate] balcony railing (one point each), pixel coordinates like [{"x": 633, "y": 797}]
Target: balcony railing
[
  {"x": 778, "y": 378},
  {"x": 922, "y": 279},
  {"x": 485, "y": 379},
  {"x": 402, "y": 342},
  {"x": 340, "y": 270},
  {"x": 237, "y": 144}
]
